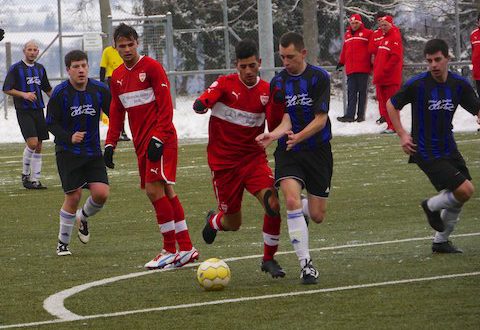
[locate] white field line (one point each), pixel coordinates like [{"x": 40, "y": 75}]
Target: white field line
[{"x": 54, "y": 304}]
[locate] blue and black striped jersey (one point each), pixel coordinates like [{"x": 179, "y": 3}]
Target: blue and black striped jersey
[
  {"x": 70, "y": 110},
  {"x": 27, "y": 78},
  {"x": 433, "y": 107},
  {"x": 304, "y": 95}
]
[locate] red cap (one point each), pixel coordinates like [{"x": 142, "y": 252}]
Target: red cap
[
  {"x": 386, "y": 18},
  {"x": 356, "y": 18}
]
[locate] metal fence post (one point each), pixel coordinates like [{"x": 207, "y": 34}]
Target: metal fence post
[
  {"x": 342, "y": 34},
  {"x": 170, "y": 64},
  {"x": 226, "y": 34},
  {"x": 8, "y": 64},
  {"x": 265, "y": 38},
  {"x": 60, "y": 38}
]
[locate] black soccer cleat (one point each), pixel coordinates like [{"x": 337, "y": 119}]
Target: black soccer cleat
[
  {"x": 433, "y": 217},
  {"x": 35, "y": 185},
  {"x": 272, "y": 267},
  {"x": 445, "y": 247},
  {"x": 309, "y": 274},
  {"x": 25, "y": 180},
  {"x": 380, "y": 120},
  {"x": 208, "y": 232},
  {"x": 123, "y": 137}
]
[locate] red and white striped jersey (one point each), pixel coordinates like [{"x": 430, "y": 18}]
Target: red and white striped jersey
[
  {"x": 238, "y": 116},
  {"x": 143, "y": 91}
]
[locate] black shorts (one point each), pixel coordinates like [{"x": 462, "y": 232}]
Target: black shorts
[
  {"x": 32, "y": 124},
  {"x": 445, "y": 173},
  {"x": 312, "y": 168},
  {"x": 78, "y": 171}
]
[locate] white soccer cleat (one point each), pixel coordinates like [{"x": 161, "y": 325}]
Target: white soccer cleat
[
  {"x": 83, "y": 232},
  {"x": 163, "y": 260},
  {"x": 62, "y": 249},
  {"x": 185, "y": 257}
]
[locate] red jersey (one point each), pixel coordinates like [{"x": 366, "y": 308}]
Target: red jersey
[
  {"x": 355, "y": 55},
  {"x": 475, "y": 41},
  {"x": 238, "y": 116},
  {"x": 388, "y": 65},
  {"x": 143, "y": 91}
]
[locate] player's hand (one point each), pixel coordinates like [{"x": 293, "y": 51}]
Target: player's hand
[
  {"x": 78, "y": 137},
  {"x": 407, "y": 144},
  {"x": 108, "y": 157},
  {"x": 292, "y": 140},
  {"x": 30, "y": 96},
  {"x": 155, "y": 149},
  {"x": 264, "y": 140},
  {"x": 339, "y": 67},
  {"x": 199, "y": 108}
]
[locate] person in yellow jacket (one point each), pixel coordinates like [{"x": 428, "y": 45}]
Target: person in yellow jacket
[{"x": 109, "y": 62}]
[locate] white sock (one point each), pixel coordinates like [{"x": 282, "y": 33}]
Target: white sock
[
  {"x": 89, "y": 209},
  {"x": 67, "y": 220},
  {"x": 36, "y": 166},
  {"x": 444, "y": 200},
  {"x": 298, "y": 232},
  {"x": 305, "y": 209},
  {"x": 450, "y": 219},
  {"x": 27, "y": 158}
]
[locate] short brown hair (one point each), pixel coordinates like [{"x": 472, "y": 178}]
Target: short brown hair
[{"x": 294, "y": 38}]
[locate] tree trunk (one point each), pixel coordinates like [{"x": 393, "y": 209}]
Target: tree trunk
[
  {"x": 310, "y": 30},
  {"x": 105, "y": 11}
]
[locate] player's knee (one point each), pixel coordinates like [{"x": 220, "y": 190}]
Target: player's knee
[
  {"x": 464, "y": 192},
  {"x": 293, "y": 203},
  {"x": 318, "y": 216},
  {"x": 271, "y": 203},
  {"x": 100, "y": 197}
]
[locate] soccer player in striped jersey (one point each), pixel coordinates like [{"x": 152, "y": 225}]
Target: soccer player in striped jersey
[
  {"x": 435, "y": 96},
  {"x": 25, "y": 81},
  {"x": 140, "y": 87},
  {"x": 303, "y": 158},
  {"x": 73, "y": 115},
  {"x": 239, "y": 108}
]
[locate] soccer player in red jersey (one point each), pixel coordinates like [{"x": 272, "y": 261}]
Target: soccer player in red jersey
[
  {"x": 140, "y": 87},
  {"x": 239, "y": 107}
]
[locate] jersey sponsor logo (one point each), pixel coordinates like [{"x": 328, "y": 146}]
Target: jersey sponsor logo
[
  {"x": 136, "y": 98},
  {"x": 239, "y": 117},
  {"x": 142, "y": 76},
  {"x": 300, "y": 99},
  {"x": 84, "y": 109},
  {"x": 437, "y": 105},
  {"x": 33, "y": 80},
  {"x": 264, "y": 99}
]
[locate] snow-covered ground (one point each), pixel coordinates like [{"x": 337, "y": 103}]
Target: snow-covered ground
[{"x": 193, "y": 126}]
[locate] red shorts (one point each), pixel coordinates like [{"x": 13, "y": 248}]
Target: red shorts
[
  {"x": 229, "y": 184},
  {"x": 165, "y": 169}
]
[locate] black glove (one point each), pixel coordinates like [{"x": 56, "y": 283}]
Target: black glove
[
  {"x": 108, "y": 157},
  {"x": 198, "y": 107},
  {"x": 339, "y": 67},
  {"x": 2, "y": 34},
  {"x": 155, "y": 149}
]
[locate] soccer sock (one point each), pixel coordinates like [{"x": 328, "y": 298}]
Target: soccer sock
[
  {"x": 271, "y": 236},
  {"x": 164, "y": 213},
  {"x": 298, "y": 232},
  {"x": 444, "y": 200},
  {"x": 305, "y": 209},
  {"x": 450, "y": 219},
  {"x": 27, "y": 158},
  {"x": 216, "y": 221},
  {"x": 67, "y": 220},
  {"x": 181, "y": 230},
  {"x": 89, "y": 209},
  {"x": 36, "y": 167}
]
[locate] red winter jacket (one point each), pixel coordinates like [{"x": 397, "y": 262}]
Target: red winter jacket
[
  {"x": 375, "y": 40},
  {"x": 475, "y": 41},
  {"x": 355, "y": 55},
  {"x": 388, "y": 65}
]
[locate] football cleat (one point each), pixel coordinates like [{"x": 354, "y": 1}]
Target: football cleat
[
  {"x": 62, "y": 249},
  {"x": 208, "y": 232},
  {"x": 185, "y": 257},
  {"x": 445, "y": 247},
  {"x": 123, "y": 137},
  {"x": 33, "y": 185},
  {"x": 83, "y": 232},
  {"x": 387, "y": 131},
  {"x": 309, "y": 274},
  {"x": 162, "y": 260},
  {"x": 273, "y": 268},
  {"x": 380, "y": 120},
  {"x": 433, "y": 217},
  {"x": 25, "y": 180}
]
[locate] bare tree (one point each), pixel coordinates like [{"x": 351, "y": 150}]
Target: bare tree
[
  {"x": 105, "y": 11},
  {"x": 310, "y": 30}
]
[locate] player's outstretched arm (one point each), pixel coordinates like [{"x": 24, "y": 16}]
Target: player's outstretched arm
[
  {"x": 265, "y": 139},
  {"x": 406, "y": 140}
]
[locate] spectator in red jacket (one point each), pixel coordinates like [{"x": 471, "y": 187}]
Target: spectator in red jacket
[
  {"x": 475, "y": 41},
  {"x": 357, "y": 61},
  {"x": 388, "y": 65}
]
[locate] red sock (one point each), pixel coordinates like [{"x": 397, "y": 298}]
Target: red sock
[
  {"x": 271, "y": 236},
  {"x": 216, "y": 221},
  {"x": 181, "y": 230},
  {"x": 164, "y": 213}
]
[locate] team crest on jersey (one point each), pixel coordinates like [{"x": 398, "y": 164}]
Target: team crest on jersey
[
  {"x": 360, "y": 34},
  {"x": 142, "y": 76},
  {"x": 264, "y": 99}
]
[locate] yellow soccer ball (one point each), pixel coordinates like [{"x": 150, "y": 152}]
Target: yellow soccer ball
[{"x": 213, "y": 274}]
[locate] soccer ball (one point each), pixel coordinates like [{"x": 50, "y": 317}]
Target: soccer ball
[{"x": 213, "y": 274}]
